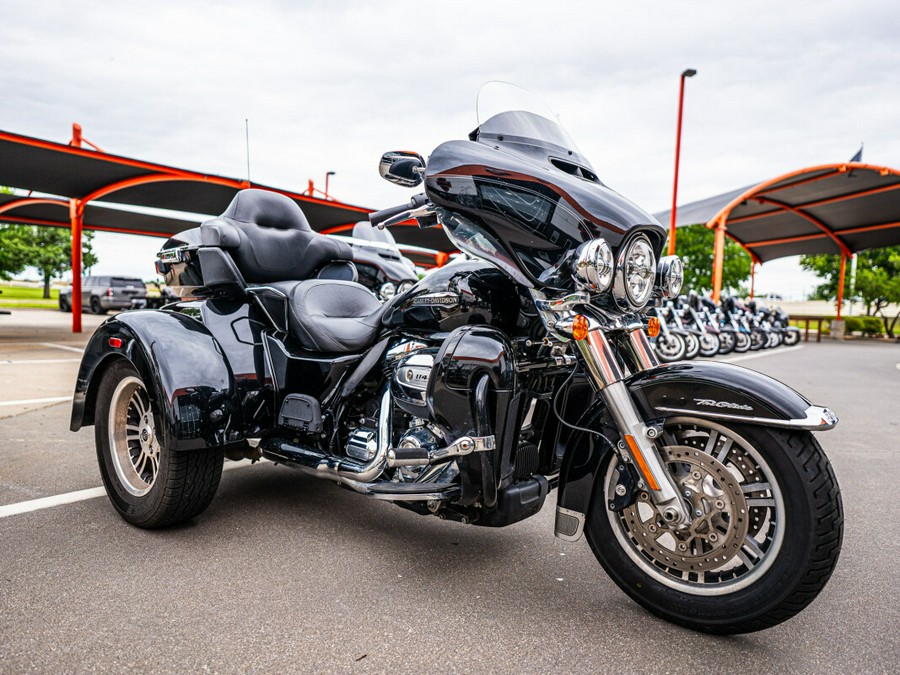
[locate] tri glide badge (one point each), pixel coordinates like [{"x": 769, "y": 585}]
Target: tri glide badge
[{"x": 721, "y": 404}]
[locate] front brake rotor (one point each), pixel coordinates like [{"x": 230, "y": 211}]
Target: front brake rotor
[{"x": 719, "y": 516}]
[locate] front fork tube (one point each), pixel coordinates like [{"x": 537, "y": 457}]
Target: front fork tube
[{"x": 637, "y": 444}]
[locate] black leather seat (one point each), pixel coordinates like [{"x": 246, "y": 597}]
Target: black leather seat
[
  {"x": 273, "y": 246},
  {"x": 270, "y": 239},
  {"x": 332, "y": 316}
]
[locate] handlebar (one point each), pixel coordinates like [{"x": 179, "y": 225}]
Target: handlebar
[{"x": 391, "y": 216}]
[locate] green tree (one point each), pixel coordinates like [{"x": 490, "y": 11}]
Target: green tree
[
  {"x": 51, "y": 252},
  {"x": 14, "y": 250},
  {"x": 48, "y": 249},
  {"x": 695, "y": 244},
  {"x": 877, "y": 282}
]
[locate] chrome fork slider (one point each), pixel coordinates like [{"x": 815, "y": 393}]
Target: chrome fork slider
[{"x": 637, "y": 445}]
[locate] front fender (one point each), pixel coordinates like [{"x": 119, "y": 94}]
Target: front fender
[
  {"x": 724, "y": 391},
  {"x": 182, "y": 366},
  {"x": 715, "y": 391}
]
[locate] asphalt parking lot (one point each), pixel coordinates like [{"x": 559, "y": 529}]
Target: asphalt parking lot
[{"x": 286, "y": 573}]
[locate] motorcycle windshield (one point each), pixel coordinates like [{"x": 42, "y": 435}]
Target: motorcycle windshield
[
  {"x": 507, "y": 113},
  {"x": 520, "y": 194}
]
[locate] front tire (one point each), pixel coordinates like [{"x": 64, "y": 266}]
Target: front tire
[
  {"x": 670, "y": 347},
  {"x": 693, "y": 345},
  {"x": 709, "y": 345},
  {"x": 791, "y": 336},
  {"x": 150, "y": 485},
  {"x": 766, "y": 534}
]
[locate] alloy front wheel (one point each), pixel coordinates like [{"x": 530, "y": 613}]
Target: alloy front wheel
[{"x": 764, "y": 537}]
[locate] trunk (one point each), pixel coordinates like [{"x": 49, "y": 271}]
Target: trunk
[{"x": 46, "y": 286}]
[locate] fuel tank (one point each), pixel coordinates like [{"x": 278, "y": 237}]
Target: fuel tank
[{"x": 459, "y": 294}]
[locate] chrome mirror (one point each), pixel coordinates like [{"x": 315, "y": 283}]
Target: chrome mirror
[{"x": 402, "y": 168}]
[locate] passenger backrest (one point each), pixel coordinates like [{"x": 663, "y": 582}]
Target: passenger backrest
[{"x": 270, "y": 239}]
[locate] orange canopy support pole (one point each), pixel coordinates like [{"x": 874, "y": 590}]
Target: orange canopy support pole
[
  {"x": 76, "y": 213},
  {"x": 718, "y": 260},
  {"x": 752, "y": 279},
  {"x": 76, "y": 135},
  {"x": 840, "y": 293}
]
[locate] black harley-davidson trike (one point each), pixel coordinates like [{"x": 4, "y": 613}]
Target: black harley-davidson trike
[{"x": 518, "y": 369}]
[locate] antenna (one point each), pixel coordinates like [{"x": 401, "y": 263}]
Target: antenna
[{"x": 247, "y": 137}]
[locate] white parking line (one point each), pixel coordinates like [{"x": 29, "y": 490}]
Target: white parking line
[
  {"x": 66, "y": 347},
  {"x": 36, "y": 401},
  {"x": 47, "y": 502},
  {"x": 31, "y": 362},
  {"x": 759, "y": 355},
  {"x": 77, "y": 496}
]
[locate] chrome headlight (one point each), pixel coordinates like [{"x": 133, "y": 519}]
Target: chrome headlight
[
  {"x": 594, "y": 266},
  {"x": 635, "y": 274},
  {"x": 387, "y": 291},
  {"x": 670, "y": 275},
  {"x": 405, "y": 286}
]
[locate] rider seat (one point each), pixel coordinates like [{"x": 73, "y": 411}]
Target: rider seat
[{"x": 275, "y": 252}]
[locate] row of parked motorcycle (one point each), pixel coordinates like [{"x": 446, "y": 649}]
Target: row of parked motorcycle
[{"x": 693, "y": 325}]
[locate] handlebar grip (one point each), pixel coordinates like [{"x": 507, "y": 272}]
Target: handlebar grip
[{"x": 377, "y": 217}]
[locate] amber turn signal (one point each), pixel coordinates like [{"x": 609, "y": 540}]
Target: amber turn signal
[
  {"x": 580, "y": 327},
  {"x": 653, "y": 326}
]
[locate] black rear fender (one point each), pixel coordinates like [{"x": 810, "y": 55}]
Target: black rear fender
[
  {"x": 715, "y": 391},
  {"x": 183, "y": 368}
]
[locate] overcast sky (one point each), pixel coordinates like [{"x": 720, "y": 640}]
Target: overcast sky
[{"x": 330, "y": 86}]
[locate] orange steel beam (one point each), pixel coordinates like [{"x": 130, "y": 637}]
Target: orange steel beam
[
  {"x": 812, "y": 219},
  {"x": 840, "y": 293},
  {"x": 820, "y": 235},
  {"x": 769, "y": 185},
  {"x": 835, "y": 169},
  {"x": 718, "y": 261},
  {"x": 29, "y": 201},
  {"x": 76, "y": 213},
  {"x": 752, "y": 279},
  {"x": 820, "y": 202},
  {"x": 159, "y": 169}
]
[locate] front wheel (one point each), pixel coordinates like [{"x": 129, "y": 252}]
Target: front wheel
[
  {"x": 670, "y": 347},
  {"x": 765, "y": 536},
  {"x": 791, "y": 336},
  {"x": 709, "y": 344},
  {"x": 693, "y": 345},
  {"x": 149, "y": 484}
]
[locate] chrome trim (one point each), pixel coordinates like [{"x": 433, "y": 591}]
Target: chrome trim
[
  {"x": 817, "y": 418},
  {"x": 595, "y": 266},
  {"x": 465, "y": 445},
  {"x": 599, "y": 358},
  {"x": 620, "y": 285},
  {"x": 665, "y": 269},
  {"x": 423, "y": 497},
  {"x": 252, "y": 292},
  {"x": 563, "y": 515},
  {"x": 643, "y": 353}
]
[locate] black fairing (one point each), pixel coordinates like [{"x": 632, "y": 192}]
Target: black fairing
[
  {"x": 522, "y": 202},
  {"x": 458, "y": 294}
]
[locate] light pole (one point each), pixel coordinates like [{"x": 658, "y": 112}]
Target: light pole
[
  {"x": 690, "y": 72},
  {"x": 327, "y": 175}
]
